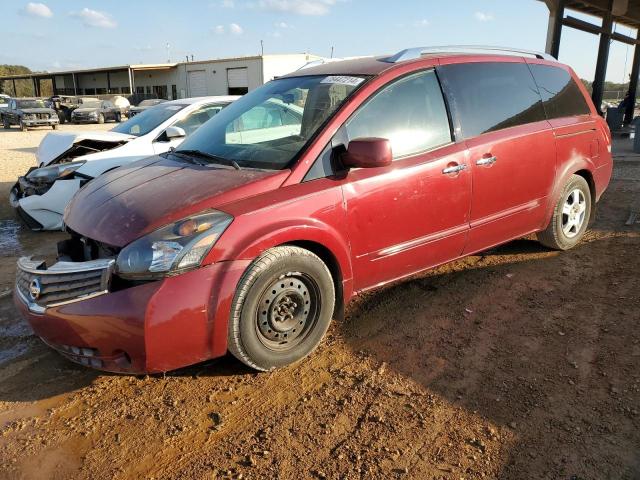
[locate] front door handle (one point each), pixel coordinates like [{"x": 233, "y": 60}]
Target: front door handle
[
  {"x": 454, "y": 168},
  {"x": 487, "y": 161}
]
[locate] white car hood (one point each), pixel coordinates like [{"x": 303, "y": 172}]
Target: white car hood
[{"x": 55, "y": 144}]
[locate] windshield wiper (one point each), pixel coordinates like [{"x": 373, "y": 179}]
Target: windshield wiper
[{"x": 209, "y": 156}]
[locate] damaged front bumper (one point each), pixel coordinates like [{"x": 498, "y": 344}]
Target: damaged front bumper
[
  {"x": 83, "y": 310},
  {"x": 41, "y": 207}
]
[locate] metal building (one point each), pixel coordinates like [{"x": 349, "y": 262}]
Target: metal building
[{"x": 225, "y": 76}]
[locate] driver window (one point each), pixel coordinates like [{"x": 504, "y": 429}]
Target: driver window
[
  {"x": 193, "y": 120},
  {"x": 410, "y": 113},
  {"x": 270, "y": 120}
]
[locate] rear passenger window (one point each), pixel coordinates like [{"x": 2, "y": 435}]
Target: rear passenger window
[
  {"x": 485, "y": 97},
  {"x": 561, "y": 96},
  {"x": 410, "y": 113}
]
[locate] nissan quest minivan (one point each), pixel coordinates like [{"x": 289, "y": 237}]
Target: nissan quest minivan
[{"x": 258, "y": 229}]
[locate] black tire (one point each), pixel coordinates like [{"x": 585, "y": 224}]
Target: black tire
[
  {"x": 61, "y": 117},
  {"x": 55, "y": 127},
  {"x": 563, "y": 231},
  {"x": 5, "y": 123},
  {"x": 118, "y": 118},
  {"x": 100, "y": 118},
  {"x": 23, "y": 127},
  {"x": 282, "y": 308}
]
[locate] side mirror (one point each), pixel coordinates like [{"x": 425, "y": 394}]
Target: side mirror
[
  {"x": 367, "y": 153},
  {"x": 175, "y": 132}
]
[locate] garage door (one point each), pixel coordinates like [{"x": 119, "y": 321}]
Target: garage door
[
  {"x": 238, "y": 77},
  {"x": 197, "y": 83}
]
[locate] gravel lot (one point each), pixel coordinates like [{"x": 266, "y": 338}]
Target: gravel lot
[{"x": 516, "y": 363}]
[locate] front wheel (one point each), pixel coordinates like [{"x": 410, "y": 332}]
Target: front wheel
[
  {"x": 23, "y": 126},
  {"x": 5, "y": 123},
  {"x": 100, "y": 118},
  {"x": 570, "y": 216},
  {"x": 282, "y": 308},
  {"x": 118, "y": 118}
]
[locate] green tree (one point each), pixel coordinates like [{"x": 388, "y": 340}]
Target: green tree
[{"x": 24, "y": 88}]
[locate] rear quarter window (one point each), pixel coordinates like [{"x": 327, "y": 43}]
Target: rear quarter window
[
  {"x": 490, "y": 96},
  {"x": 561, "y": 96}
]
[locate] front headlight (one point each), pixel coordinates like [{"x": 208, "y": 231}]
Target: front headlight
[
  {"x": 174, "y": 248},
  {"x": 29, "y": 116},
  {"x": 54, "y": 172},
  {"x": 93, "y": 114}
]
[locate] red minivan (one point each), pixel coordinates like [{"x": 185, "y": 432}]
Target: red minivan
[{"x": 321, "y": 184}]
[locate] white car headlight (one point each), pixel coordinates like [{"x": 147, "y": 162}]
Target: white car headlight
[
  {"x": 174, "y": 248},
  {"x": 54, "y": 172}
]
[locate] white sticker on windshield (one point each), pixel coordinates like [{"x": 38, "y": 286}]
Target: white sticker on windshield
[{"x": 343, "y": 80}]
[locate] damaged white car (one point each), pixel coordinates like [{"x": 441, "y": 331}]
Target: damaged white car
[{"x": 66, "y": 161}]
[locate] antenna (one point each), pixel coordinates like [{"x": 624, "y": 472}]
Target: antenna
[{"x": 331, "y": 56}]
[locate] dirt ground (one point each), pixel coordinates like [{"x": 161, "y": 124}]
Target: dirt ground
[{"x": 517, "y": 363}]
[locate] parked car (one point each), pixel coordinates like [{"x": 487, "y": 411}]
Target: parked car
[
  {"x": 121, "y": 103},
  {"x": 96, "y": 112},
  {"x": 27, "y": 113},
  {"x": 67, "y": 160},
  {"x": 64, "y": 105},
  {"x": 143, "y": 105},
  {"x": 251, "y": 244}
]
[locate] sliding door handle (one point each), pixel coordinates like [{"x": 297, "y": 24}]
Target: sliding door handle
[
  {"x": 454, "y": 168},
  {"x": 487, "y": 161}
]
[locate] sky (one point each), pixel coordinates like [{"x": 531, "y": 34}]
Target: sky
[{"x": 55, "y": 35}]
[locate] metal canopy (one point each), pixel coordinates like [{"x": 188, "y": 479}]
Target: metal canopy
[
  {"x": 608, "y": 13},
  {"x": 626, "y": 12}
]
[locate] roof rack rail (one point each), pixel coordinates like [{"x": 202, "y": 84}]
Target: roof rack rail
[{"x": 417, "y": 52}]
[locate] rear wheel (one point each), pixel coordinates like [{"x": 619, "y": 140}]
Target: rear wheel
[
  {"x": 5, "y": 123},
  {"x": 100, "y": 118},
  {"x": 55, "y": 127},
  {"x": 282, "y": 308},
  {"x": 570, "y": 216},
  {"x": 118, "y": 117},
  {"x": 23, "y": 127}
]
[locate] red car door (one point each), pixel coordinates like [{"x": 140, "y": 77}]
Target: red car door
[
  {"x": 512, "y": 152},
  {"x": 412, "y": 214}
]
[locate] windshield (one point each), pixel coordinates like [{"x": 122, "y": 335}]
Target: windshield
[
  {"x": 144, "y": 122},
  {"x": 30, "y": 104},
  {"x": 269, "y": 126},
  {"x": 93, "y": 104}
]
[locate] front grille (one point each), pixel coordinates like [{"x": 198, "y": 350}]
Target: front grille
[
  {"x": 63, "y": 282},
  {"x": 43, "y": 116}
]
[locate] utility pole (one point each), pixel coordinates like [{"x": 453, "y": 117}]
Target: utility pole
[
  {"x": 168, "y": 53},
  {"x": 331, "y": 56},
  {"x": 261, "y": 48}
]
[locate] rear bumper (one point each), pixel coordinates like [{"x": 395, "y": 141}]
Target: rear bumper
[{"x": 153, "y": 327}]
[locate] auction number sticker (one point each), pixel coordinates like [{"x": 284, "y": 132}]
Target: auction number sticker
[{"x": 343, "y": 80}]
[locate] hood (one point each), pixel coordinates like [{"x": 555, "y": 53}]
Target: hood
[
  {"x": 37, "y": 110},
  {"x": 54, "y": 145},
  {"x": 131, "y": 201}
]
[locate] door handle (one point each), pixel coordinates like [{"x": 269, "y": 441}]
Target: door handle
[
  {"x": 454, "y": 168},
  {"x": 487, "y": 161}
]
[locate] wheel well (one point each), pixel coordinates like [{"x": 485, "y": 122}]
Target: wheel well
[
  {"x": 334, "y": 267},
  {"x": 586, "y": 174}
]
